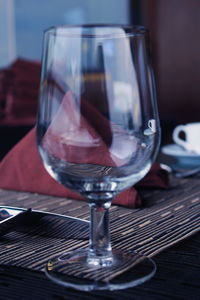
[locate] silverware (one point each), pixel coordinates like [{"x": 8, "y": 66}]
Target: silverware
[
  {"x": 180, "y": 173},
  {"x": 50, "y": 224},
  {"x": 10, "y": 218}
]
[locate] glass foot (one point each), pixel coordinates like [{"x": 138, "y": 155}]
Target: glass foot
[{"x": 78, "y": 271}]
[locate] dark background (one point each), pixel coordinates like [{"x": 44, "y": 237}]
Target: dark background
[{"x": 175, "y": 36}]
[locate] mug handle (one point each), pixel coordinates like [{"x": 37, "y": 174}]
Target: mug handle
[{"x": 176, "y": 138}]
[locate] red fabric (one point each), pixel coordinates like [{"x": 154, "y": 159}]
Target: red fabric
[
  {"x": 72, "y": 133},
  {"x": 22, "y": 170},
  {"x": 19, "y": 89}
]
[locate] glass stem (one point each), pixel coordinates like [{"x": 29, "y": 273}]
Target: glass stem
[{"x": 100, "y": 251}]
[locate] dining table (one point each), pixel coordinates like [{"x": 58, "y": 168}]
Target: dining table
[{"x": 166, "y": 228}]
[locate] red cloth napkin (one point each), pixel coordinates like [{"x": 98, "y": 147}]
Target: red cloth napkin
[
  {"x": 22, "y": 170},
  {"x": 19, "y": 87},
  {"x": 86, "y": 136}
]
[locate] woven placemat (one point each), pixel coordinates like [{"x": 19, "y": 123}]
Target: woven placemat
[{"x": 168, "y": 216}]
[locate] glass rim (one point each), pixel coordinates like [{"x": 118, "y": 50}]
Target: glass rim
[{"x": 129, "y": 30}]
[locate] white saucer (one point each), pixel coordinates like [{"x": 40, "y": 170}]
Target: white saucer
[{"x": 178, "y": 151}]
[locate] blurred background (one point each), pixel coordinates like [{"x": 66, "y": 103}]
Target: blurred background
[{"x": 174, "y": 27}]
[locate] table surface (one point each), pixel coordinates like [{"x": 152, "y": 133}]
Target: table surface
[{"x": 177, "y": 258}]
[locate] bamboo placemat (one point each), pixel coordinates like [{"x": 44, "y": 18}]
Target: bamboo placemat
[{"x": 168, "y": 216}]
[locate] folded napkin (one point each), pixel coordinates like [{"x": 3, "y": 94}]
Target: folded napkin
[
  {"x": 82, "y": 135},
  {"x": 22, "y": 170}
]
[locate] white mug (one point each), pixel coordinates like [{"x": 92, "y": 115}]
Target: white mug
[{"x": 192, "y": 137}]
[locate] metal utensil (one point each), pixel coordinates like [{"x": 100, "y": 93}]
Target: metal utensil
[{"x": 50, "y": 224}]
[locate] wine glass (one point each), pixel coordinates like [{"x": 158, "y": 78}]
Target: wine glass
[{"x": 98, "y": 133}]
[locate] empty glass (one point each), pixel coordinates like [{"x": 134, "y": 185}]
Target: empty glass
[{"x": 98, "y": 134}]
